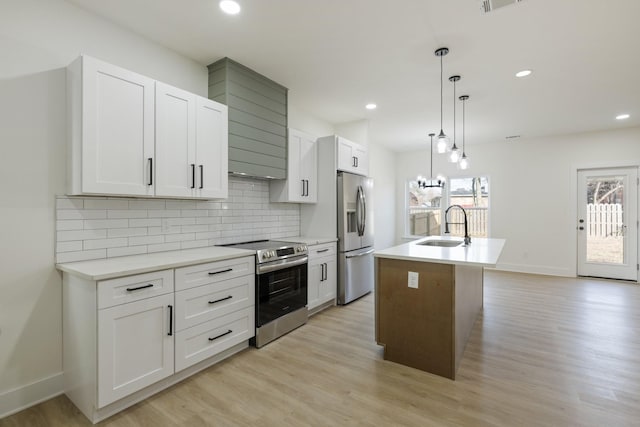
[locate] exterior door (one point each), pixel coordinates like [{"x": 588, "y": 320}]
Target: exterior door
[{"x": 608, "y": 223}]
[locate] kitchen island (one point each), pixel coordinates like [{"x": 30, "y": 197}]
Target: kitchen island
[{"x": 428, "y": 295}]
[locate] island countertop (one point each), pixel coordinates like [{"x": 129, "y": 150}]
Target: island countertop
[{"x": 481, "y": 252}]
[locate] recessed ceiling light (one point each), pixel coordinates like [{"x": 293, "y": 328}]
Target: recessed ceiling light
[
  {"x": 229, "y": 6},
  {"x": 622, "y": 117},
  {"x": 371, "y": 106},
  {"x": 523, "y": 73}
]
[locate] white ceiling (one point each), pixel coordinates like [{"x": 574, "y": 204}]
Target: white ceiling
[{"x": 337, "y": 55}]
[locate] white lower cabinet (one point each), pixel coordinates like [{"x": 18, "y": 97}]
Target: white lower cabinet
[
  {"x": 129, "y": 337},
  {"x": 207, "y": 339},
  {"x": 322, "y": 276},
  {"x": 135, "y": 347}
]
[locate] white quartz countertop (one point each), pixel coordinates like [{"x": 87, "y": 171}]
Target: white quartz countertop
[
  {"x": 309, "y": 240},
  {"x": 109, "y": 268},
  {"x": 481, "y": 252}
]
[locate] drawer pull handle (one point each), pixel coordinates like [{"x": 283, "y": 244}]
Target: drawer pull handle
[
  {"x": 221, "y": 335},
  {"x": 221, "y": 299},
  {"x": 150, "y": 285},
  {"x": 211, "y": 273},
  {"x": 323, "y": 250}
]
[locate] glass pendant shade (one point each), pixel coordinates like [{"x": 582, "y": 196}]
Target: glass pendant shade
[
  {"x": 463, "y": 163},
  {"x": 442, "y": 143},
  {"x": 454, "y": 156}
]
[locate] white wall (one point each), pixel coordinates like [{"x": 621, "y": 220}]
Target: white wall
[
  {"x": 356, "y": 131},
  {"x": 37, "y": 40},
  {"x": 382, "y": 168},
  {"x": 533, "y": 191}
]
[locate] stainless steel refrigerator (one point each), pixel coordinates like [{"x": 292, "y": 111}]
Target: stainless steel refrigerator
[{"x": 355, "y": 236}]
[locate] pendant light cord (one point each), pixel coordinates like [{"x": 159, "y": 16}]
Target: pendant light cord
[
  {"x": 441, "y": 103},
  {"x": 431, "y": 156},
  {"x": 454, "y": 112},
  {"x": 464, "y": 102}
]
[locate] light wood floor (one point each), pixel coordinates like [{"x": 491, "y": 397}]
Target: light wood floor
[{"x": 546, "y": 351}]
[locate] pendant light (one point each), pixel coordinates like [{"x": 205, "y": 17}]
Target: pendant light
[
  {"x": 423, "y": 183},
  {"x": 463, "y": 164},
  {"x": 442, "y": 145},
  {"x": 454, "y": 156}
]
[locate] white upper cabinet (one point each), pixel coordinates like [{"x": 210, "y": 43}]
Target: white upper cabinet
[
  {"x": 212, "y": 148},
  {"x": 352, "y": 157},
  {"x": 191, "y": 145},
  {"x": 301, "y": 185},
  {"x": 175, "y": 141},
  {"x": 111, "y": 129},
  {"x": 134, "y": 136}
]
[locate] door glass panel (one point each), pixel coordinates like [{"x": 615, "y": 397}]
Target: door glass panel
[{"x": 604, "y": 219}]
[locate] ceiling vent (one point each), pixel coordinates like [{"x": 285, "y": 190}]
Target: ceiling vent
[{"x": 489, "y": 5}]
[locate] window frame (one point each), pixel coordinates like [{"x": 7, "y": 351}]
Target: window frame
[{"x": 446, "y": 197}]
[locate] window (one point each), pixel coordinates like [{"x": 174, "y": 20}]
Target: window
[
  {"x": 426, "y": 207},
  {"x": 473, "y": 195},
  {"x": 423, "y": 209}
]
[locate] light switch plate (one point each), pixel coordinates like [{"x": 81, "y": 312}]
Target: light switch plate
[{"x": 413, "y": 279}]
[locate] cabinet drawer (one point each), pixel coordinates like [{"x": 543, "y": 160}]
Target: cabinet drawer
[
  {"x": 133, "y": 288},
  {"x": 198, "y": 305},
  {"x": 323, "y": 250},
  {"x": 213, "y": 272},
  {"x": 208, "y": 339}
]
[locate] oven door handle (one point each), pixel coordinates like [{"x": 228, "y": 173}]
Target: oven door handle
[{"x": 281, "y": 265}]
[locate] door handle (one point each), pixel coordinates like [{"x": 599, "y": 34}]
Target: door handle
[
  {"x": 581, "y": 228},
  {"x": 170, "y": 320},
  {"x": 201, "y": 176},
  {"x": 150, "y": 182},
  {"x": 362, "y": 254},
  {"x": 193, "y": 175},
  {"x": 326, "y": 268}
]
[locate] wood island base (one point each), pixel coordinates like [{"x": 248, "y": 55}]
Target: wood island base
[{"x": 426, "y": 327}]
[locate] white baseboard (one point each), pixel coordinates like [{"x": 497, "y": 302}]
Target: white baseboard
[
  {"x": 535, "y": 269},
  {"x": 17, "y": 399}
]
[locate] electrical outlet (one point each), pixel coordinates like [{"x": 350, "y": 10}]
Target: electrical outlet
[{"x": 413, "y": 279}]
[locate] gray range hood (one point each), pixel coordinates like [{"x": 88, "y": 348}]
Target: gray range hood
[{"x": 257, "y": 119}]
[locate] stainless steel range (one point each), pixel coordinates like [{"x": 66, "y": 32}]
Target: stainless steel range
[{"x": 281, "y": 287}]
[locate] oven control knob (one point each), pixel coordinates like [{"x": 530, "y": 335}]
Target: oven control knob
[{"x": 272, "y": 254}]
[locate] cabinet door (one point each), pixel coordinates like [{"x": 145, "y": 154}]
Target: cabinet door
[
  {"x": 175, "y": 141},
  {"x": 346, "y": 160},
  {"x": 314, "y": 275},
  {"x": 117, "y": 130},
  {"x": 328, "y": 287},
  {"x": 362, "y": 160},
  {"x": 309, "y": 168},
  {"x": 135, "y": 347},
  {"x": 211, "y": 149},
  {"x": 295, "y": 178}
]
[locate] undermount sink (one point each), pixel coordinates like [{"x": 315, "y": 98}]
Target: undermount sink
[{"x": 442, "y": 243}]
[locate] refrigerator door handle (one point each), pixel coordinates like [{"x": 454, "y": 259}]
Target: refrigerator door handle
[
  {"x": 360, "y": 210},
  {"x": 358, "y": 213},
  {"x": 361, "y": 254},
  {"x": 364, "y": 210}
]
